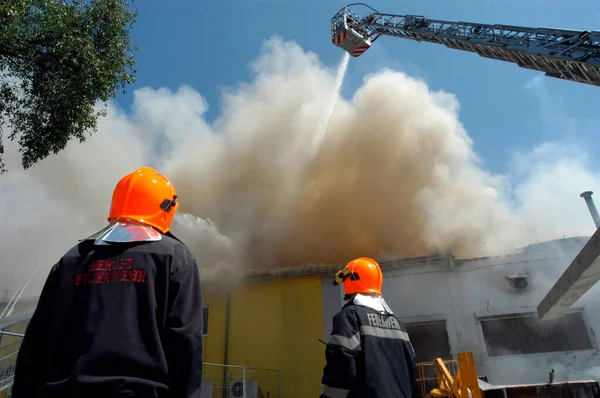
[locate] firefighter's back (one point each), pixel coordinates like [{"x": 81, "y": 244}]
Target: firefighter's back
[
  {"x": 108, "y": 320},
  {"x": 387, "y": 355},
  {"x": 119, "y": 314},
  {"x": 369, "y": 354}
]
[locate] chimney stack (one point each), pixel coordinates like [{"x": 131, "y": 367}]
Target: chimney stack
[{"x": 587, "y": 195}]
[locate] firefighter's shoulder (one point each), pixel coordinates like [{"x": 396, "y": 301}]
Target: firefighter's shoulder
[
  {"x": 181, "y": 254},
  {"x": 348, "y": 316},
  {"x": 76, "y": 252}
]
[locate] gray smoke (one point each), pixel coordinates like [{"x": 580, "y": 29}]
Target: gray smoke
[{"x": 395, "y": 175}]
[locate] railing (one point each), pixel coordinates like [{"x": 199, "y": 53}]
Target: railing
[
  {"x": 229, "y": 381},
  {"x": 426, "y": 374},
  {"x": 219, "y": 381},
  {"x": 9, "y": 349}
]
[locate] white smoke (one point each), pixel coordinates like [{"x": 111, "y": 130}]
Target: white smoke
[{"x": 396, "y": 175}]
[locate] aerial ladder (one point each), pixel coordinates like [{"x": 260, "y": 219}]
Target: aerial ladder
[{"x": 563, "y": 54}]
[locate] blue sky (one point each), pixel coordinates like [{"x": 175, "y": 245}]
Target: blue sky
[{"x": 209, "y": 45}]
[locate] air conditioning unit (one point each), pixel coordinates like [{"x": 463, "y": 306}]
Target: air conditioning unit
[
  {"x": 235, "y": 389},
  {"x": 206, "y": 391}
]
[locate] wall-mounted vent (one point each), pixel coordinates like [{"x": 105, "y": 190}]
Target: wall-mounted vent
[{"x": 519, "y": 282}]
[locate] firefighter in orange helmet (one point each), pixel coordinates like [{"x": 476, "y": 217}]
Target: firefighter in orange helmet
[
  {"x": 121, "y": 312},
  {"x": 369, "y": 353}
]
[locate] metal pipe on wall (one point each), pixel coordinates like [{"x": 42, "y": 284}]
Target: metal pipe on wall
[
  {"x": 587, "y": 196},
  {"x": 226, "y": 353}
]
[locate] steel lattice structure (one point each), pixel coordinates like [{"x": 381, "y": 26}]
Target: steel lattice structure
[{"x": 563, "y": 54}]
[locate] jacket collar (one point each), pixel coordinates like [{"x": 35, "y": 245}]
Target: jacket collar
[
  {"x": 124, "y": 231},
  {"x": 375, "y": 302}
]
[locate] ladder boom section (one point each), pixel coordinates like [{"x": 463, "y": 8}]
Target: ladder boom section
[{"x": 564, "y": 54}]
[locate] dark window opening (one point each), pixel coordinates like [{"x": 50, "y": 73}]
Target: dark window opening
[
  {"x": 519, "y": 334},
  {"x": 430, "y": 341}
]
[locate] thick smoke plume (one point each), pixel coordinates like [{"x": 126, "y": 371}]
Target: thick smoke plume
[{"x": 395, "y": 175}]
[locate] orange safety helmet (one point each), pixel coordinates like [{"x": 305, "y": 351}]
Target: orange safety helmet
[
  {"x": 362, "y": 275},
  {"x": 145, "y": 196}
]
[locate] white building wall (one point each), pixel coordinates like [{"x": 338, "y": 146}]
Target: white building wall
[{"x": 461, "y": 291}]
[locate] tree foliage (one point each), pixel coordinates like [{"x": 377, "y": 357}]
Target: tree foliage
[{"x": 59, "y": 58}]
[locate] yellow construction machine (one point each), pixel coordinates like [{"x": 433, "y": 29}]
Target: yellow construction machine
[
  {"x": 461, "y": 383},
  {"x": 447, "y": 381}
]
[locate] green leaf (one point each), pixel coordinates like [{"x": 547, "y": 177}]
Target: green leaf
[{"x": 57, "y": 60}]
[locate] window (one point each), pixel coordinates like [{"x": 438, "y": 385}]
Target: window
[
  {"x": 205, "y": 319},
  {"x": 519, "y": 334},
  {"x": 430, "y": 340}
]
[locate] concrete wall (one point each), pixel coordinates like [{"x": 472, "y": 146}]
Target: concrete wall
[{"x": 461, "y": 291}]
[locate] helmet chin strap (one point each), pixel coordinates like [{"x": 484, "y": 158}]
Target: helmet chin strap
[
  {"x": 124, "y": 231},
  {"x": 373, "y": 301}
]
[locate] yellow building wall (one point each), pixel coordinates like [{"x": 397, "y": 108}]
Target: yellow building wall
[{"x": 273, "y": 325}]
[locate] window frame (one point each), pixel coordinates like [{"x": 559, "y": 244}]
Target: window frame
[
  {"x": 528, "y": 313},
  {"x": 429, "y": 321}
]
